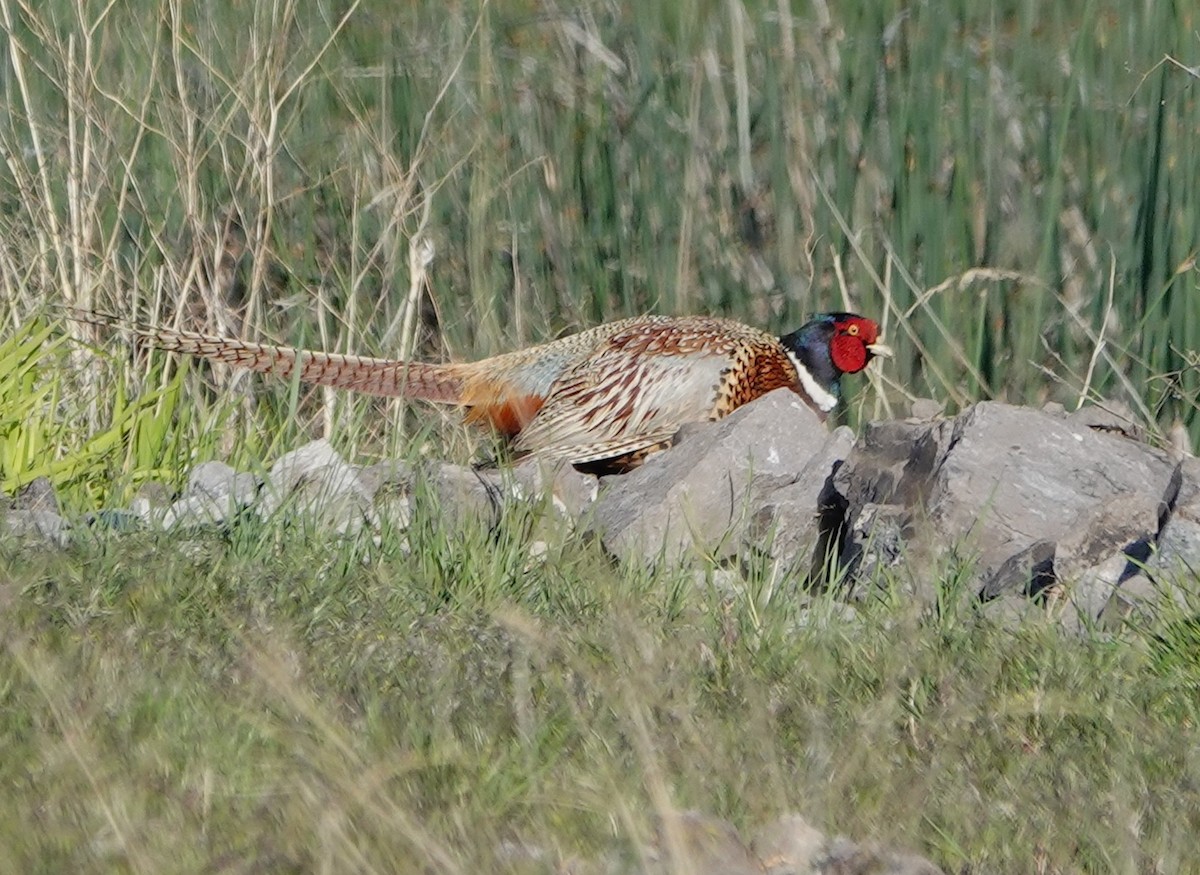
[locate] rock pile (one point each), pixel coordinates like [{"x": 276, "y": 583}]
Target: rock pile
[{"x": 1028, "y": 507}]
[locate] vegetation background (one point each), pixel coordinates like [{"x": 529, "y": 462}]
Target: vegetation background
[{"x": 1011, "y": 188}]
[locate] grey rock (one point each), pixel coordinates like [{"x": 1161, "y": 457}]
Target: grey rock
[
  {"x": 571, "y": 493},
  {"x": 724, "y": 583},
  {"x": 1014, "y": 477},
  {"x": 825, "y": 614},
  {"x": 1179, "y": 540},
  {"x": 461, "y": 495},
  {"x": 151, "y": 501},
  {"x": 315, "y": 484},
  {"x": 465, "y": 495},
  {"x": 36, "y": 527},
  {"x": 1131, "y": 598},
  {"x": 390, "y": 475},
  {"x": 557, "y": 496},
  {"x": 197, "y": 511},
  {"x": 215, "y": 493},
  {"x": 1124, "y": 524},
  {"x": 1171, "y": 571},
  {"x": 703, "y": 495},
  {"x": 926, "y": 409},
  {"x": 456, "y": 493},
  {"x": 216, "y": 479},
  {"x": 787, "y": 520},
  {"x": 1090, "y": 593},
  {"x": 390, "y": 482},
  {"x": 155, "y": 493},
  {"x": 37, "y": 494},
  {"x": 1112, "y": 418},
  {"x": 1027, "y": 497},
  {"x": 519, "y": 857}
]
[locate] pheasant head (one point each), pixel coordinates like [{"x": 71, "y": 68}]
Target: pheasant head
[{"x": 828, "y": 346}]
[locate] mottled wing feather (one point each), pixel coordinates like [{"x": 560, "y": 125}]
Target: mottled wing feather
[
  {"x": 641, "y": 383},
  {"x": 622, "y": 401},
  {"x": 581, "y": 454},
  {"x": 508, "y": 390}
]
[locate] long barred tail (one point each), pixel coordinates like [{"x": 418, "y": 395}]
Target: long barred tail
[{"x": 374, "y": 376}]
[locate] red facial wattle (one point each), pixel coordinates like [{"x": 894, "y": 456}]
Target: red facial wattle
[
  {"x": 848, "y": 352},
  {"x": 848, "y": 349}
]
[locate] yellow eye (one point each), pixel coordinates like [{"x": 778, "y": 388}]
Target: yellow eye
[{"x": 852, "y": 330}]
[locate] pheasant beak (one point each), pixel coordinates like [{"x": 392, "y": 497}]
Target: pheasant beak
[{"x": 879, "y": 348}]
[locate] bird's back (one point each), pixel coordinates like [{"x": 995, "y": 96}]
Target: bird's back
[
  {"x": 536, "y": 368},
  {"x": 628, "y": 385}
]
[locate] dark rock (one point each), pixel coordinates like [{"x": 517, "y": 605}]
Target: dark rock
[
  {"x": 1028, "y": 497},
  {"x": 894, "y": 463},
  {"x": 719, "y": 487},
  {"x": 1029, "y": 572},
  {"x": 1178, "y": 542},
  {"x": 1169, "y": 569},
  {"x": 885, "y": 483},
  {"x": 788, "y": 520},
  {"x": 877, "y": 544}
]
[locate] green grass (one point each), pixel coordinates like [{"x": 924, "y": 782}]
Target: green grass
[
  {"x": 1010, "y": 188},
  {"x": 266, "y": 703}
]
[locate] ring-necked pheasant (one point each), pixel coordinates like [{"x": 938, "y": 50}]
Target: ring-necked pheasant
[{"x": 604, "y": 397}]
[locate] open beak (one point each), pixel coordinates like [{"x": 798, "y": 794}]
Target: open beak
[{"x": 879, "y": 348}]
